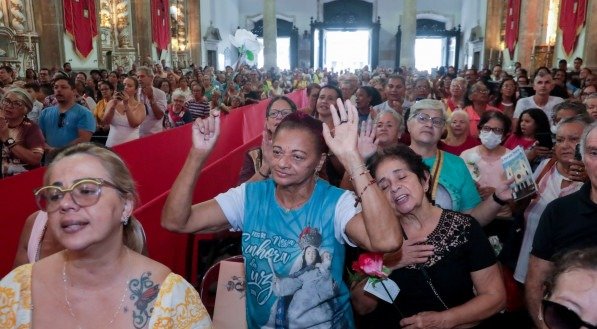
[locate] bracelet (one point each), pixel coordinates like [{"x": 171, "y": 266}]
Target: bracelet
[
  {"x": 356, "y": 168},
  {"x": 365, "y": 172},
  {"x": 359, "y": 198},
  {"x": 498, "y": 200},
  {"x": 262, "y": 175}
]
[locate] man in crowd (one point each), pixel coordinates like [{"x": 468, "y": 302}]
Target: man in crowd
[
  {"x": 197, "y": 106},
  {"x": 154, "y": 100},
  {"x": 6, "y": 76},
  {"x": 66, "y": 123},
  {"x": 567, "y": 223},
  {"x": 542, "y": 84},
  {"x": 44, "y": 76},
  {"x": 395, "y": 91}
]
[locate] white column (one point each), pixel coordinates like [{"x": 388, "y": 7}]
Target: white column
[
  {"x": 408, "y": 25},
  {"x": 270, "y": 33}
]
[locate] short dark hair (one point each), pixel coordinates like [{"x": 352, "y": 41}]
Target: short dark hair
[
  {"x": 71, "y": 83},
  {"x": 401, "y": 152},
  {"x": 488, "y": 115},
  {"x": 277, "y": 98},
  {"x": 373, "y": 93},
  {"x": 6, "y": 68},
  {"x": 304, "y": 122}
]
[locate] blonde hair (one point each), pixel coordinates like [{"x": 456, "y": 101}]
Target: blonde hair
[{"x": 133, "y": 234}]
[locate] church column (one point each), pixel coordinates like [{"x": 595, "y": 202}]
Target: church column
[
  {"x": 529, "y": 34},
  {"x": 194, "y": 36},
  {"x": 589, "y": 53},
  {"x": 141, "y": 17},
  {"x": 48, "y": 18},
  {"x": 408, "y": 25},
  {"x": 270, "y": 33}
]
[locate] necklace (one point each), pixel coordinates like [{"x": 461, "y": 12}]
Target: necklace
[
  {"x": 70, "y": 309},
  {"x": 507, "y": 104}
]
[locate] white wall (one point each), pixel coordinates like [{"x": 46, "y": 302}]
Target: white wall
[
  {"x": 473, "y": 13},
  {"x": 225, "y": 16},
  {"x": 77, "y": 62}
]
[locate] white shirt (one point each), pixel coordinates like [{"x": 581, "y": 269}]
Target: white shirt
[
  {"x": 529, "y": 103},
  {"x": 151, "y": 125}
]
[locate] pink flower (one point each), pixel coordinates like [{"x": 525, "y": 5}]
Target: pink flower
[{"x": 370, "y": 264}]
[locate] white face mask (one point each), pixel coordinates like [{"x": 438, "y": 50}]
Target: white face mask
[{"x": 490, "y": 140}]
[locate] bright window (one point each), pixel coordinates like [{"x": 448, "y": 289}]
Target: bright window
[
  {"x": 346, "y": 49},
  {"x": 283, "y": 51},
  {"x": 428, "y": 53}
]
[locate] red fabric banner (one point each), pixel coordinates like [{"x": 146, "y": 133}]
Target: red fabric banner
[
  {"x": 160, "y": 22},
  {"x": 572, "y": 20},
  {"x": 80, "y": 24},
  {"x": 512, "y": 21}
]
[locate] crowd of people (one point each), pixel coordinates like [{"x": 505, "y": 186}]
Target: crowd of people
[{"x": 389, "y": 161}]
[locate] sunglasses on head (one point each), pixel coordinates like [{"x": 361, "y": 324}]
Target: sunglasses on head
[{"x": 558, "y": 316}]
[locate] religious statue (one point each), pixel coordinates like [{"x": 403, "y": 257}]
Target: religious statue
[{"x": 17, "y": 9}]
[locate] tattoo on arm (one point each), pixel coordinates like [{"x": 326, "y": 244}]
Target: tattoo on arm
[{"x": 143, "y": 292}]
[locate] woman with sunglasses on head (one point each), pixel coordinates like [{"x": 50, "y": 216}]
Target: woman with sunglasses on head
[
  {"x": 22, "y": 140},
  {"x": 571, "y": 291},
  {"x": 446, "y": 270},
  {"x": 478, "y": 97},
  {"x": 283, "y": 216},
  {"x": 99, "y": 279}
]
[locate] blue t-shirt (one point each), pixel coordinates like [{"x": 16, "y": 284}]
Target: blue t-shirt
[
  {"x": 75, "y": 118},
  {"x": 455, "y": 178},
  {"x": 294, "y": 259}
]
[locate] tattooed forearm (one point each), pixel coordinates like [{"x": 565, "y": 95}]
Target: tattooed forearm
[{"x": 144, "y": 293}]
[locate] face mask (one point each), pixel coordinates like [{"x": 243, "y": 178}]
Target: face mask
[
  {"x": 554, "y": 129},
  {"x": 490, "y": 140}
]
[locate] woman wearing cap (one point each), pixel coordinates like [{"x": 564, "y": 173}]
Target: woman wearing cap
[
  {"x": 22, "y": 140},
  {"x": 275, "y": 213}
]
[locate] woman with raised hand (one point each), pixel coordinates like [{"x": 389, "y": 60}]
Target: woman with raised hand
[
  {"x": 279, "y": 216},
  {"x": 100, "y": 279}
]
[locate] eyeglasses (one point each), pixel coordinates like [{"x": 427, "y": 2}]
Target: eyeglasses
[
  {"x": 61, "y": 120},
  {"x": 558, "y": 316},
  {"x": 497, "y": 131},
  {"x": 482, "y": 91},
  {"x": 84, "y": 193},
  {"x": 279, "y": 113},
  {"x": 424, "y": 118},
  {"x": 8, "y": 103}
]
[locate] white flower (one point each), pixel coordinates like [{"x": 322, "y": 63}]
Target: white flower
[{"x": 245, "y": 39}]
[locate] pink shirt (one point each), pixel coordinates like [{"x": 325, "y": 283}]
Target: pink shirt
[{"x": 474, "y": 118}]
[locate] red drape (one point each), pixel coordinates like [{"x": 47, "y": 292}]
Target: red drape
[
  {"x": 80, "y": 24},
  {"x": 512, "y": 21},
  {"x": 572, "y": 19},
  {"x": 160, "y": 24}
]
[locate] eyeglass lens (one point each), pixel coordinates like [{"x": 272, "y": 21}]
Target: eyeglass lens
[
  {"x": 84, "y": 193},
  {"x": 558, "y": 316}
]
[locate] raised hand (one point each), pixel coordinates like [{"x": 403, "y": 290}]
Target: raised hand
[
  {"x": 205, "y": 132},
  {"x": 266, "y": 150},
  {"x": 367, "y": 143},
  {"x": 344, "y": 141}
]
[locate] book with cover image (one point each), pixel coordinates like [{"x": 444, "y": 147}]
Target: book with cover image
[{"x": 517, "y": 166}]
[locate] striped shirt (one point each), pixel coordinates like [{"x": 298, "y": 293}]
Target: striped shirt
[{"x": 197, "y": 109}]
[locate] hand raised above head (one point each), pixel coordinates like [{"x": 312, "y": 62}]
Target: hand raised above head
[
  {"x": 205, "y": 132},
  {"x": 344, "y": 141},
  {"x": 367, "y": 143}
]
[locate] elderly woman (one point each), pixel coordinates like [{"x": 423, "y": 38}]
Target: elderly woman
[
  {"x": 459, "y": 138},
  {"x": 457, "y": 92},
  {"x": 556, "y": 177},
  {"x": 446, "y": 270},
  {"x": 571, "y": 291},
  {"x": 478, "y": 96},
  {"x": 485, "y": 161},
  {"x": 591, "y": 103},
  {"x": 287, "y": 214},
  {"x": 124, "y": 113},
  {"x": 452, "y": 188},
  {"x": 100, "y": 277},
  {"x": 176, "y": 115},
  {"x": 22, "y": 140}
]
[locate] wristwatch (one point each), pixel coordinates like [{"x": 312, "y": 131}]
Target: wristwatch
[{"x": 10, "y": 142}]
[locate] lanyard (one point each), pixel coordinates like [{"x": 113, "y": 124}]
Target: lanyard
[{"x": 439, "y": 162}]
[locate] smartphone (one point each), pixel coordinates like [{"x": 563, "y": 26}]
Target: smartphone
[
  {"x": 544, "y": 140},
  {"x": 577, "y": 154}
]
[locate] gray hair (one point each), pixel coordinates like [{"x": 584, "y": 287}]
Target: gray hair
[
  {"x": 577, "y": 107},
  {"x": 459, "y": 112},
  {"x": 582, "y": 119},
  {"x": 591, "y": 96},
  {"x": 22, "y": 95},
  {"x": 585, "y": 136},
  {"x": 427, "y": 104},
  {"x": 147, "y": 70},
  {"x": 178, "y": 94},
  {"x": 399, "y": 118}
]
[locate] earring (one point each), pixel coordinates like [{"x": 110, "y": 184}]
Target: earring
[
  {"x": 426, "y": 188},
  {"x": 125, "y": 221}
]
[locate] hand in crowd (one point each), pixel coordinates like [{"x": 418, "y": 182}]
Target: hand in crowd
[
  {"x": 538, "y": 151},
  {"x": 344, "y": 141},
  {"x": 576, "y": 171},
  {"x": 266, "y": 151},
  {"x": 504, "y": 191},
  {"x": 427, "y": 320},
  {"x": 206, "y": 131},
  {"x": 148, "y": 92},
  {"x": 367, "y": 144},
  {"x": 485, "y": 191},
  {"x": 413, "y": 251}
]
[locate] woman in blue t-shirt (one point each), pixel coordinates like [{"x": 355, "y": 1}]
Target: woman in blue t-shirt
[{"x": 290, "y": 215}]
